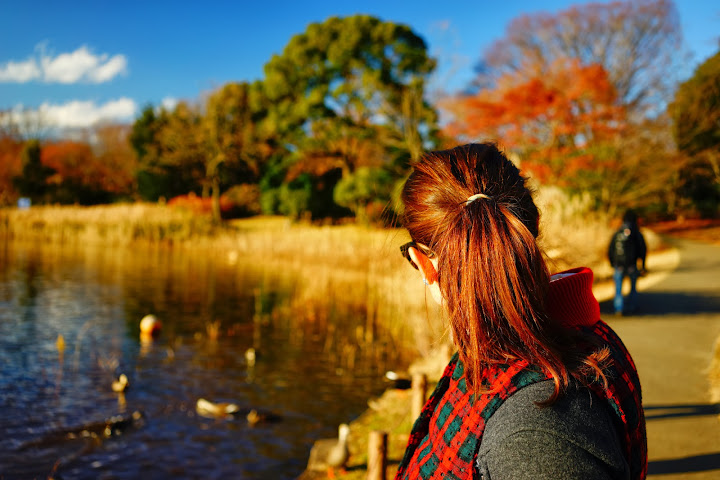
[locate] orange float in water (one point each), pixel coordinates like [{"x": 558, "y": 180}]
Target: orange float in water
[{"x": 150, "y": 326}]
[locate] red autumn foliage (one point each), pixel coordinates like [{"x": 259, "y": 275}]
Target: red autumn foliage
[
  {"x": 636, "y": 41},
  {"x": 114, "y": 152},
  {"x": 72, "y": 161},
  {"x": 198, "y": 204},
  {"x": 549, "y": 116},
  {"x": 10, "y": 166},
  {"x": 75, "y": 163}
]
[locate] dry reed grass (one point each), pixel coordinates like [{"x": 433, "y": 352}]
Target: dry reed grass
[
  {"x": 119, "y": 224},
  {"x": 348, "y": 269},
  {"x": 571, "y": 233},
  {"x": 345, "y": 272}
]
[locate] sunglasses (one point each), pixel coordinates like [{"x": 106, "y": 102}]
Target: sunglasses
[{"x": 405, "y": 253}]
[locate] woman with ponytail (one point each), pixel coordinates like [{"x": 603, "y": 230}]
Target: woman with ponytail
[{"x": 540, "y": 386}]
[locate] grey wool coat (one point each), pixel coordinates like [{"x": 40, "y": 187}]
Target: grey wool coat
[{"x": 574, "y": 438}]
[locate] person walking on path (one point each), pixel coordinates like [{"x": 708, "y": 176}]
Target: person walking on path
[
  {"x": 626, "y": 248},
  {"x": 540, "y": 386}
]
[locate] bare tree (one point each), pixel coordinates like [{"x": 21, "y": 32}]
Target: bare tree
[
  {"x": 24, "y": 123},
  {"x": 637, "y": 42}
]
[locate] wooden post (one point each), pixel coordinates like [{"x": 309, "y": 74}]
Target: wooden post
[
  {"x": 377, "y": 455},
  {"x": 419, "y": 387}
]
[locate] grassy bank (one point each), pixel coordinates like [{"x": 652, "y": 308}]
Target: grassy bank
[
  {"x": 346, "y": 267},
  {"x": 571, "y": 233},
  {"x": 359, "y": 265},
  {"x": 110, "y": 225}
]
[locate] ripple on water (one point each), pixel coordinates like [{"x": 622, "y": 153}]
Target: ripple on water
[{"x": 96, "y": 306}]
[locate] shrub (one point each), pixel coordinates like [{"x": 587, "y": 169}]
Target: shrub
[
  {"x": 365, "y": 192},
  {"x": 195, "y": 204},
  {"x": 244, "y": 200}
]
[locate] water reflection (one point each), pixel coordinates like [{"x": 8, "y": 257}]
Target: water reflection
[{"x": 316, "y": 363}]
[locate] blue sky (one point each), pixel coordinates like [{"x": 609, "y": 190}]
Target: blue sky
[{"x": 82, "y": 61}]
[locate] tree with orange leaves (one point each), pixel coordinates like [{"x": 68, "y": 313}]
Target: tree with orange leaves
[
  {"x": 571, "y": 93},
  {"x": 81, "y": 176},
  {"x": 10, "y": 151},
  {"x": 115, "y": 158},
  {"x": 547, "y": 118},
  {"x": 637, "y": 42},
  {"x": 72, "y": 163}
]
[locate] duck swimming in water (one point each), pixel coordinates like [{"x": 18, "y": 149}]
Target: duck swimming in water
[
  {"x": 254, "y": 417},
  {"x": 250, "y": 356},
  {"x": 121, "y": 384},
  {"x": 207, "y": 408},
  {"x": 111, "y": 427}
]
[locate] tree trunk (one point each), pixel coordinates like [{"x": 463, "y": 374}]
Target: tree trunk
[{"x": 216, "y": 215}]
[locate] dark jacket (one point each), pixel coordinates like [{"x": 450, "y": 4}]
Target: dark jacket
[{"x": 626, "y": 247}]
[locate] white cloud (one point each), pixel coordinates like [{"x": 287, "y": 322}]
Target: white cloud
[
  {"x": 82, "y": 65},
  {"x": 105, "y": 72},
  {"x": 68, "y": 67},
  {"x": 169, "y": 103},
  {"x": 80, "y": 114},
  {"x": 79, "y": 66},
  {"x": 19, "y": 72}
]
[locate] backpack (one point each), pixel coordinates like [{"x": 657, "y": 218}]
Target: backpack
[{"x": 623, "y": 248}]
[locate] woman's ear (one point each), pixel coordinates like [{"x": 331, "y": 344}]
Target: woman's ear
[{"x": 427, "y": 266}]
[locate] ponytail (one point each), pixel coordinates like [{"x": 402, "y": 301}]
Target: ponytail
[{"x": 472, "y": 207}]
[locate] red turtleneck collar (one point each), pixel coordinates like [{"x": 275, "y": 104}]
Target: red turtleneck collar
[{"x": 571, "y": 299}]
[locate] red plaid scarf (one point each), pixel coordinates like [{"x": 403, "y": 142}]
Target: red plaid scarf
[{"x": 446, "y": 437}]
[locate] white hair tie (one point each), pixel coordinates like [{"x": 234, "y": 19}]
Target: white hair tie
[{"x": 472, "y": 198}]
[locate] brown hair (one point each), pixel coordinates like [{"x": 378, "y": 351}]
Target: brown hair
[{"x": 491, "y": 272}]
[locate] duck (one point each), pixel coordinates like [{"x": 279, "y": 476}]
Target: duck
[
  {"x": 207, "y": 408},
  {"x": 120, "y": 384},
  {"x": 331, "y": 454},
  {"x": 254, "y": 417},
  {"x": 110, "y": 427},
  {"x": 339, "y": 453},
  {"x": 250, "y": 356},
  {"x": 118, "y": 424},
  {"x": 150, "y": 327},
  {"x": 400, "y": 381}
]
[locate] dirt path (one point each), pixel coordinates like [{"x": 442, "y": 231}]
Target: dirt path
[{"x": 672, "y": 340}]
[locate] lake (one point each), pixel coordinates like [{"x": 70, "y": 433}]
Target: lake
[{"x": 317, "y": 364}]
